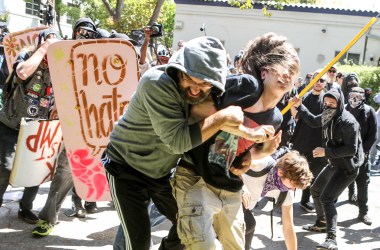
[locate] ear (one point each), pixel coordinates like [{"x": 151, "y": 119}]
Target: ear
[
  {"x": 263, "y": 73},
  {"x": 280, "y": 173}
]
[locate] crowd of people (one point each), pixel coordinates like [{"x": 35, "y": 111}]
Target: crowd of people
[{"x": 203, "y": 140}]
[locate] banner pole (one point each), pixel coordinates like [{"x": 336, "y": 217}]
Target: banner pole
[{"x": 333, "y": 61}]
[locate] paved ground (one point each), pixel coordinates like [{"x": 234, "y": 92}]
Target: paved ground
[{"x": 97, "y": 231}]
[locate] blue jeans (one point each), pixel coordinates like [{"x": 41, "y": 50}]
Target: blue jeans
[
  {"x": 327, "y": 187},
  {"x": 8, "y": 141}
]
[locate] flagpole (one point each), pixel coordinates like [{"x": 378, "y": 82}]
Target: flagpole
[{"x": 333, "y": 61}]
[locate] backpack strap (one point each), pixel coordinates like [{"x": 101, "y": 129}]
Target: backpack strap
[
  {"x": 280, "y": 200},
  {"x": 260, "y": 173}
]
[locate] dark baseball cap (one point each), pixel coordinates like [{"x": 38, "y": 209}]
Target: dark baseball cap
[{"x": 124, "y": 37}]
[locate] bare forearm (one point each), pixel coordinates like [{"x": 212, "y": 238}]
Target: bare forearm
[
  {"x": 241, "y": 131},
  {"x": 210, "y": 126},
  {"x": 288, "y": 228},
  {"x": 27, "y": 68},
  {"x": 143, "y": 50}
]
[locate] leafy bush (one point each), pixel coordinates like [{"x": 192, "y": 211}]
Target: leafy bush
[{"x": 369, "y": 78}]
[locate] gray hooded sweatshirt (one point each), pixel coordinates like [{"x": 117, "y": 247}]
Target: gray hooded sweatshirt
[{"x": 154, "y": 131}]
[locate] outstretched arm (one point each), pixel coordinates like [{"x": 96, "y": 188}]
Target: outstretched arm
[{"x": 288, "y": 227}]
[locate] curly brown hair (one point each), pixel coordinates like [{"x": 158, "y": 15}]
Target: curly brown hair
[
  {"x": 295, "y": 168},
  {"x": 266, "y": 51}
]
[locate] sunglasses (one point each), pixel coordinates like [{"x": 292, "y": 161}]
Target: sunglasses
[
  {"x": 321, "y": 80},
  {"x": 332, "y": 71}
]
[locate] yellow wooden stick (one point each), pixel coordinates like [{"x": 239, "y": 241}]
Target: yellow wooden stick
[{"x": 348, "y": 46}]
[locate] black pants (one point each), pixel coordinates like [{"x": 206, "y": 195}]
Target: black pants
[
  {"x": 250, "y": 225},
  {"x": 131, "y": 192},
  {"x": 362, "y": 182},
  {"x": 327, "y": 187},
  {"x": 316, "y": 165},
  {"x": 8, "y": 141}
]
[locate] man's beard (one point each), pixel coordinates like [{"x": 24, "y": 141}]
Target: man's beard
[{"x": 184, "y": 92}]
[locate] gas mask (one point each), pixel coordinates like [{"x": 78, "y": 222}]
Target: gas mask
[{"x": 84, "y": 34}]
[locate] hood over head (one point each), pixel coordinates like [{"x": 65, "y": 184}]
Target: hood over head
[
  {"x": 85, "y": 23},
  {"x": 350, "y": 81},
  {"x": 338, "y": 96},
  {"x": 204, "y": 58}
]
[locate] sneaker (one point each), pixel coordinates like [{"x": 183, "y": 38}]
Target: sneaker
[
  {"x": 28, "y": 216},
  {"x": 79, "y": 211},
  {"x": 90, "y": 207},
  {"x": 307, "y": 207},
  {"x": 365, "y": 219},
  {"x": 42, "y": 229},
  {"x": 329, "y": 244},
  {"x": 319, "y": 226}
]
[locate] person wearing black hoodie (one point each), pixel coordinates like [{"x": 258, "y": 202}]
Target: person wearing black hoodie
[
  {"x": 366, "y": 116},
  {"x": 349, "y": 82},
  {"x": 344, "y": 152}
]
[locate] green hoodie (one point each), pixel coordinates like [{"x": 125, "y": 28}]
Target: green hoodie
[{"x": 154, "y": 131}]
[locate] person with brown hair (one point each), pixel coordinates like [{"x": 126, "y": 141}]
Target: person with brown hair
[
  {"x": 289, "y": 172},
  {"x": 154, "y": 132},
  {"x": 207, "y": 183},
  {"x": 339, "y": 78}
]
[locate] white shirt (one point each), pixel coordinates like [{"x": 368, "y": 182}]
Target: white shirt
[{"x": 255, "y": 185}]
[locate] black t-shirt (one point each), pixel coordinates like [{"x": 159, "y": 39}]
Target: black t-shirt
[
  {"x": 213, "y": 165},
  {"x": 305, "y": 138}
]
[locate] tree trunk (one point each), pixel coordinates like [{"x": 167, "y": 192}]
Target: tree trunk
[
  {"x": 156, "y": 11},
  {"x": 111, "y": 11}
]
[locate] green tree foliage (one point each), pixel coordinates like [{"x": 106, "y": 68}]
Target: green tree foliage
[
  {"x": 134, "y": 15},
  {"x": 369, "y": 77},
  {"x": 277, "y": 4}
]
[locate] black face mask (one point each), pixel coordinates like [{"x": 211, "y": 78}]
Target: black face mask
[{"x": 328, "y": 114}]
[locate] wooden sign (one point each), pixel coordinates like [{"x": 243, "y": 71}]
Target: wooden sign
[
  {"x": 93, "y": 81},
  {"x": 14, "y": 42},
  {"x": 38, "y": 146}
]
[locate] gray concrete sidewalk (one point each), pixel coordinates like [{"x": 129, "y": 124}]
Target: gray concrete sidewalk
[{"x": 97, "y": 231}]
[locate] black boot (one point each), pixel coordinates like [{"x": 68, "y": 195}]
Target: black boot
[
  {"x": 90, "y": 207},
  {"x": 79, "y": 211}
]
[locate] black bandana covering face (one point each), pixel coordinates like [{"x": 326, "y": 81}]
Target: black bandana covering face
[{"x": 328, "y": 114}]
